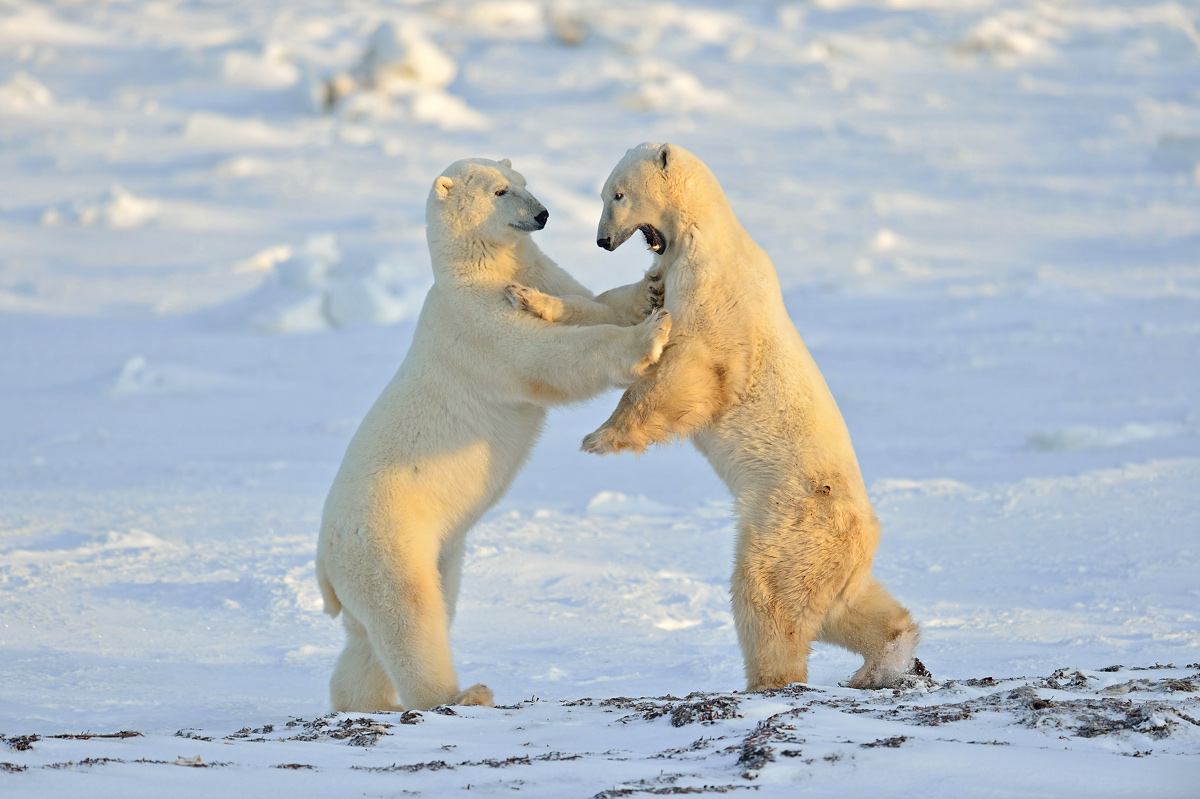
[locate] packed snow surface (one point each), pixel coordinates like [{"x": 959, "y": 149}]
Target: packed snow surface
[{"x": 986, "y": 221}]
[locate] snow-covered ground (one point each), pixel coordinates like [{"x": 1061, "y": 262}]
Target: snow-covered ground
[{"x": 986, "y": 218}]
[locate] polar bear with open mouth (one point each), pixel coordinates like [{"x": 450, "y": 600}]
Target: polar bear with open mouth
[{"x": 738, "y": 381}]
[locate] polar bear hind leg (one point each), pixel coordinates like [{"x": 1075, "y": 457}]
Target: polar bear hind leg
[
  {"x": 359, "y": 683},
  {"x": 404, "y": 617},
  {"x": 803, "y": 574},
  {"x": 774, "y": 646},
  {"x": 873, "y": 624},
  {"x": 781, "y": 594}
]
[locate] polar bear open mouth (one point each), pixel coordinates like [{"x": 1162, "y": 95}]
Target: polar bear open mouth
[{"x": 655, "y": 240}]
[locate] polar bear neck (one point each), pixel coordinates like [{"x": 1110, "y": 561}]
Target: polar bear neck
[
  {"x": 463, "y": 260},
  {"x": 699, "y": 213},
  {"x": 705, "y": 224}
]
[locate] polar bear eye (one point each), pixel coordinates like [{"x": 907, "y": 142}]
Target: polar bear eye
[
  {"x": 618, "y": 196},
  {"x": 501, "y": 192}
]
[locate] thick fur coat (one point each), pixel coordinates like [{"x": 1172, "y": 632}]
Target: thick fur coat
[
  {"x": 450, "y": 431},
  {"x": 738, "y": 381}
]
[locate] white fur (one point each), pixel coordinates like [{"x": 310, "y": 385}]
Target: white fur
[
  {"x": 450, "y": 431},
  {"x": 738, "y": 381}
]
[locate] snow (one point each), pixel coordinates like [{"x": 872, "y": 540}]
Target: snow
[{"x": 986, "y": 219}]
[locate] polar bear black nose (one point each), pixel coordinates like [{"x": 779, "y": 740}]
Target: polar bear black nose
[
  {"x": 605, "y": 243},
  {"x": 542, "y": 217}
]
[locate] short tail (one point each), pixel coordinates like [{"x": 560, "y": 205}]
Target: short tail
[{"x": 332, "y": 605}]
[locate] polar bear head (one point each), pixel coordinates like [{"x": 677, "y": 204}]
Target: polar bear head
[
  {"x": 480, "y": 201},
  {"x": 657, "y": 189}
]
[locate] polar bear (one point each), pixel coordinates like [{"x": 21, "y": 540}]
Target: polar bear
[
  {"x": 450, "y": 431},
  {"x": 738, "y": 381}
]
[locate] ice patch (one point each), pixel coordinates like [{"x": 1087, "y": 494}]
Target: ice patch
[{"x": 614, "y": 503}]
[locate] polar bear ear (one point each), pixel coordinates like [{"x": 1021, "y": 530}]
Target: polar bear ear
[
  {"x": 442, "y": 186},
  {"x": 665, "y": 155},
  {"x": 507, "y": 164}
]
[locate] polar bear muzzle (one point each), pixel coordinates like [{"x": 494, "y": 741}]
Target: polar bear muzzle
[
  {"x": 536, "y": 219},
  {"x": 655, "y": 240}
]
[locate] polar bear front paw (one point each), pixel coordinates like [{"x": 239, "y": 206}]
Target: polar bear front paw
[
  {"x": 477, "y": 694},
  {"x": 530, "y": 300},
  {"x": 610, "y": 441},
  {"x": 653, "y": 291},
  {"x": 600, "y": 442},
  {"x": 656, "y": 330}
]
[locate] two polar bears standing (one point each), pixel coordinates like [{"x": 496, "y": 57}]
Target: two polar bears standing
[{"x": 505, "y": 333}]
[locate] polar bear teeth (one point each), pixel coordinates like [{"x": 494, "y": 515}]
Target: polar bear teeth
[{"x": 654, "y": 239}]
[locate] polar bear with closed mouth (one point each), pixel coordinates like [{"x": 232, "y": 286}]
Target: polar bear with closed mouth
[
  {"x": 450, "y": 431},
  {"x": 738, "y": 381}
]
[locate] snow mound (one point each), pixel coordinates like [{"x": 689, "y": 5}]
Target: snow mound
[
  {"x": 72, "y": 546},
  {"x": 399, "y": 58},
  {"x": 119, "y": 209},
  {"x": 137, "y": 376},
  {"x": 401, "y": 73},
  {"x": 664, "y": 87},
  {"x": 22, "y": 91},
  {"x": 315, "y": 288},
  {"x": 446, "y": 111},
  {"x": 1013, "y": 36},
  {"x": 501, "y": 13},
  {"x": 271, "y": 68},
  {"x": 614, "y": 503}
]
